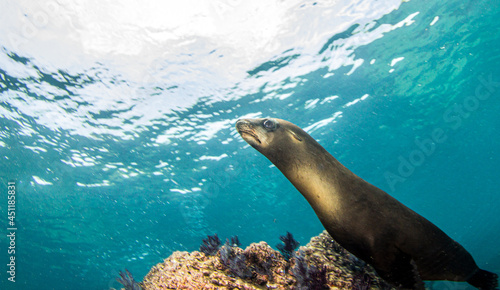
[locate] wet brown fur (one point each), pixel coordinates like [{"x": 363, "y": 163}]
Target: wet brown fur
[{"x": 404, "y": 247}]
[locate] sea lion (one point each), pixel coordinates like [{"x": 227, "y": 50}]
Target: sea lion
[{"x": 402, "y": 246}]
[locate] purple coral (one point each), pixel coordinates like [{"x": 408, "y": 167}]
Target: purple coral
[
  {"x": 309, "y": 277},
  {"x": 128, "y": 281},
  {"x": 235, "y": 262},
  {"x": 235, "y": 242},
  {"x": 210, "y": 245},
  {"x": 289, "y": 245}
]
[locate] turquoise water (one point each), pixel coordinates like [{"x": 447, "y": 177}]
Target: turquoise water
[{"x": 120, "y": 137}]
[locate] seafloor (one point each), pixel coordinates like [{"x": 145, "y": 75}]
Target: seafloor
[{"x": 321, "y": 264}]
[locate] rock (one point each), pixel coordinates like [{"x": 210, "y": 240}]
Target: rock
[{"x": 269, "y": 270}]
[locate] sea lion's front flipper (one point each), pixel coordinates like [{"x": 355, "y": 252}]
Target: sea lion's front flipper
[{"x": 403, "y": 273}]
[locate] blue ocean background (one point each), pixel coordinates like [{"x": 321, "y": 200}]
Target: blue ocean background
[{"x": 117, "y": 124}]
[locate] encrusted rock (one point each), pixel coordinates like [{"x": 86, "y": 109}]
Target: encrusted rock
[{"x": 269, "y": 270}]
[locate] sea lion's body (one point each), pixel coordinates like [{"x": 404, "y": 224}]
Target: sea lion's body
[{"x": 401, "y": 245}]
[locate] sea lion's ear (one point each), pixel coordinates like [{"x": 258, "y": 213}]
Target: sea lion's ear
[{"x": 295, "y": 135}]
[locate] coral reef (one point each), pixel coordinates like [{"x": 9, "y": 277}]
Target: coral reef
[
  {"x": 321, "y": 264},
  {"x": 195, "y": 270},
  {"x": 128, "y": 281},
  {"x": 362, "y": 281},
  {"x": 235, "y": 261},
  {"x": 308, "y": 276},
  {"x": 289, "y": 245}
]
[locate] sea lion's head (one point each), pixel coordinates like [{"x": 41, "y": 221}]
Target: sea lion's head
[
  {"x": 275, "y": 138},
  {"x": 265, "y": 133},
  {"x": 296, "y": 154}
]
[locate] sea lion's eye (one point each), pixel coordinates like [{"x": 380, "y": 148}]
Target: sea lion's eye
[{"x": 269, "y": 124}]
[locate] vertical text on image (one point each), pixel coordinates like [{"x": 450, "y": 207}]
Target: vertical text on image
[{"x": 11, "y": 229}]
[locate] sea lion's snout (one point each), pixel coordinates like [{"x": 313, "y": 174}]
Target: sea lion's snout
[
  {"x": 241, "y": 122},
  {"x": 247, "y": 131},
  {"x": 242, "y": 125}
]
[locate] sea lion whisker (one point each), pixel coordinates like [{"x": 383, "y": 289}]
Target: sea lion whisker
[{"x": 251, "y": 133}]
